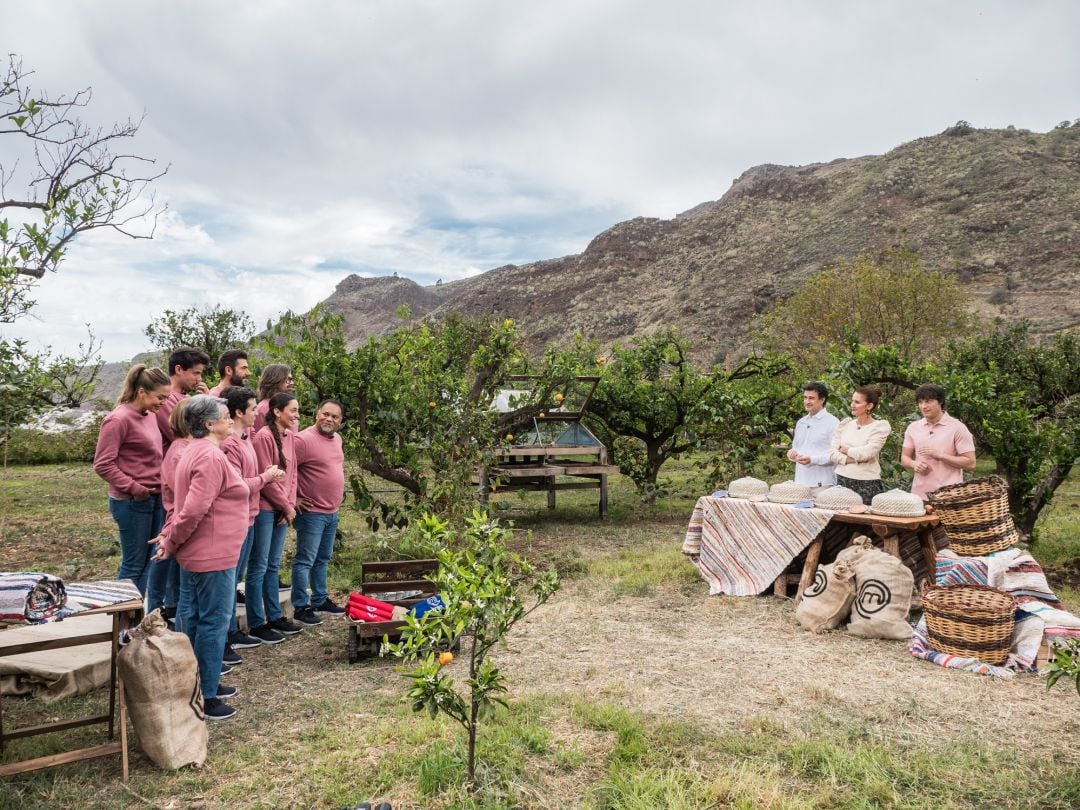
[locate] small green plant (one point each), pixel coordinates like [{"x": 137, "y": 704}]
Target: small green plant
[
  {"x": 1066, "y": 664},
  {"x": 481, "y": 583}
]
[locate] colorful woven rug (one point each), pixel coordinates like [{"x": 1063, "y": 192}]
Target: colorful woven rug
[{"x": 745, "y": 545}]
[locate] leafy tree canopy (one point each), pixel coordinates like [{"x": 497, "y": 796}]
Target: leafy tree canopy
[
  {"x": 873, "y": 300},
  {"x": 213, "y": 329}
]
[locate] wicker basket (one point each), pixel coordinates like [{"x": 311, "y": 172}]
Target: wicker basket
[
  {"x": 971, "y": 621},
  {"x": 976, "y": 516}
]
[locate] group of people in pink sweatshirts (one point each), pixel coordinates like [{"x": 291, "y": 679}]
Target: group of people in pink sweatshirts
[{"x": 203, "y": 485}]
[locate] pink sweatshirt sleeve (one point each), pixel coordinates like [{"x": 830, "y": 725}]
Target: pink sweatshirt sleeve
[
  {"x": 266, "y": 452},
  {"x": 205, "y": 485},
  {"x": 110, "y": 438}
]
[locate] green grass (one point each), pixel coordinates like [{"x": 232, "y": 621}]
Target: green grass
[{"x": 328, "y": 735}]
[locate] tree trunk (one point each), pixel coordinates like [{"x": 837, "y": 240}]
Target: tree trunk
[
  {"x": 654, "y": 461},
  {"x": 474, "y": 707},
  {"x": 1029, "y": 508}
]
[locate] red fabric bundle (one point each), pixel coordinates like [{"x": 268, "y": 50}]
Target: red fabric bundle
[{"x": 364, "y": 608}]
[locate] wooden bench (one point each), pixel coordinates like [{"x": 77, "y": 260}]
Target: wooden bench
[{"x": 377, "y": 580}]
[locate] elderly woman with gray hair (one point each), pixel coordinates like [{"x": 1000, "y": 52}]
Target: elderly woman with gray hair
[{"x": 205, "y": 534}]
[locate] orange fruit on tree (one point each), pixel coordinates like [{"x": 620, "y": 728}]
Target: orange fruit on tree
[
  {"x": 509, "y": 437},
  {"x": 541, "y": 414},
  {"x": 601, "y": 360},
  {"x": 431, "y": 404},
  {"x": 445, "y": 658},
  {"x": 559, "y": 397}
]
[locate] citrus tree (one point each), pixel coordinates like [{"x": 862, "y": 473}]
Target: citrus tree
[
  {"x": 655, "y": 404},
  {"x": 486, "y": 589},
  {"x": 418, "y": 401},
  {"x": 1021, "y": 401}
]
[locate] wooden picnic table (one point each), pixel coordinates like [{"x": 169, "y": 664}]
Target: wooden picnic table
[{"x": 124, "y": 615}]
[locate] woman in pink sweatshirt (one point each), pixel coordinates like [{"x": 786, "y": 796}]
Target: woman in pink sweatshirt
[
  {"x": 274, "y": 444},
  {"x": 238, "y": 448},
  {"x": 128, "y": 457},
  {"x": 205, "y": 535}
]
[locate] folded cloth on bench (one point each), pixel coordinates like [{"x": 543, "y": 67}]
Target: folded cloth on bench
[
  {"x": 1038, "y": 616},
  {"x": 743, "y": 546},
  {"x": 31, "y": 597},
  {"x": 101, "y": 593}
]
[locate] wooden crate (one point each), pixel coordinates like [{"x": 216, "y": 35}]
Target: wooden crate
[{"x": 378, "y": 579}]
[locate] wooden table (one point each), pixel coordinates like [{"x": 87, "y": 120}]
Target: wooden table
[
  {"x": 535, "y": 467},
  {"x": 124, "y": 614},
  {"x": 885, "y": 528}
]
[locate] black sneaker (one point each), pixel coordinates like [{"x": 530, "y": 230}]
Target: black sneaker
[
  {"x": 239, "y": 640},
  {"x": 224, "y": 692},
  {"x": 329, "y": 606},
  {"x": 283, "y": 625},
  {"x": 231, "y": 657},
  {"x": 225, "y": 668},
  {"x": 267, "y": 634},
  {"x": 307, "y": 616},
  {"x": 215, "y": 709}
]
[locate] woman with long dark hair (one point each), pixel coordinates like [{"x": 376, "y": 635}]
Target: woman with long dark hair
[
  {"x": 274, "y": 445},
  {"x": 276, "y": 378},
  {"x": 128, "y": 457},
  {"x": 856, "y": 445}
]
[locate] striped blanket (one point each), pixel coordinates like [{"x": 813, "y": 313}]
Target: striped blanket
[
  {"x": 31, "y": 597},
  {"x": 1038, "y": 616},
  {"x": 89, "y": 595},
  {"x": 743, "y": 546}
]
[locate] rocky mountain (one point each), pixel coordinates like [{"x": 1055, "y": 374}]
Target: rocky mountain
[{"x": 1000, "y": 209}]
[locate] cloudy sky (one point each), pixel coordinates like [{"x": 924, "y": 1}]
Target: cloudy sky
[{"x": 441, "y": 138}]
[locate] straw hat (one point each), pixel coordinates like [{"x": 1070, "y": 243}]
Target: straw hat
[
  {"x": 837, "y": 498},
  {"x": 897, "y": 503},
  {"x": 788, "y": 492},
  {"x": 746, "y": 487}
]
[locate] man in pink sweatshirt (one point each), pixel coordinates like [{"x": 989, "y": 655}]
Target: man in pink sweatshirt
[{"x": 320, "y": 489}]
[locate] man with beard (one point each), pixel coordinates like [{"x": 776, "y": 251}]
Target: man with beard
[{"x": 320, "y": 488}]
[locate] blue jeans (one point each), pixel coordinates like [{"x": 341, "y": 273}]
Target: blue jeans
[
  {"x": 205, "y": 601},
  {"x": 241, "y": 565},
  {"x": 163, "y": 586},
  {"x": 315, "y": 535},
  {"x": 261, "y": 591},
  {"x": 139, "y": 522}
]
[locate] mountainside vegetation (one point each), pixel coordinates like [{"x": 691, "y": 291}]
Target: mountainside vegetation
[{"x": 999, "y": 210}]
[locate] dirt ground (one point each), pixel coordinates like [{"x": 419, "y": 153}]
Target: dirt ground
[{"x": 720, "y": 661}]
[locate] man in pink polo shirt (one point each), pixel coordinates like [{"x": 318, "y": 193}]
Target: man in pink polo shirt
[
  {"x": 937, "y": 448},
  {"x": 320, "y": 489}
]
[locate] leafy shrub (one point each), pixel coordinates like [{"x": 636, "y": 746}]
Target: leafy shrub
[{"x": 26, "y": 446}]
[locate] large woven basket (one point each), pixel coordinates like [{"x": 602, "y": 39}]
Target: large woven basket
[
  {"x": 971, "y": 621},
  {"x": 976, "y": 516}
]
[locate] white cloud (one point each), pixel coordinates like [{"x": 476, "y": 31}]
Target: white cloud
[{"x": 439, "y": 138}]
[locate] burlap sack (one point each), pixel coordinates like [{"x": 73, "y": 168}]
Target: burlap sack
[
  {"x": 161, "y": 684},
  {"x": 883, "y": 590},
  {"x": 859, "y": 545},
  {"x": 826, "y": 603}
]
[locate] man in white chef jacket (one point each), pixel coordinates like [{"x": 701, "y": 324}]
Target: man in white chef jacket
[{"x": 813, "y": 434}]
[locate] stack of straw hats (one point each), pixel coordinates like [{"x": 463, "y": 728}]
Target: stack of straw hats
[
  {"x": 837, "y": 498},
  {"x": 747, "y": 488},
  {"x": 897, "y": 503},
  {"x": 788, "y": 492}
]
